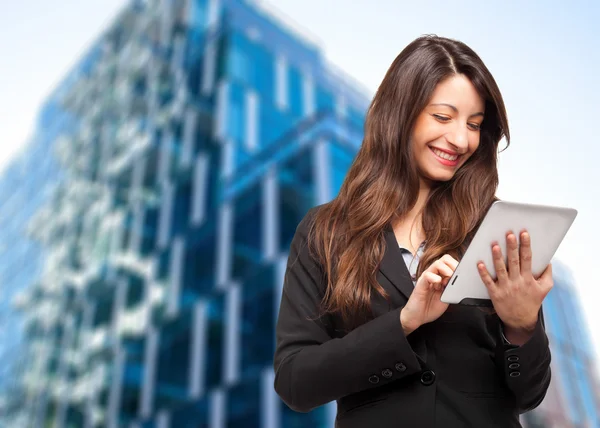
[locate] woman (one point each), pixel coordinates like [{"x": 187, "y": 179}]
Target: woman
[{"x": 354, "y": 325}]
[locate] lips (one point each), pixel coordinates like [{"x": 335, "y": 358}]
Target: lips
[
  {"x": 445, "y": 155},
  {"x": 445, "y": 158}
]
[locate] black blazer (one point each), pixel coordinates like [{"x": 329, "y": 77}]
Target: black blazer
[{"x": 454, "y": 372}]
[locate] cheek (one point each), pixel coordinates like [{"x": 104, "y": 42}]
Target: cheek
[{"x": 474, "y": 144}]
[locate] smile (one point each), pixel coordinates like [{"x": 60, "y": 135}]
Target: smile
[
  {"x": 444, "y": 155},
  {"x": 444, "y": 158}
]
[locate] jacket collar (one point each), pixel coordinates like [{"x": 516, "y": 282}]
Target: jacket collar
[{"x": 393, "y": 266}]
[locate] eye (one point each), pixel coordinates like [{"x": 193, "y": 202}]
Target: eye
[
  {"x": 475, "y": 126},
  {"x": 441, "y": 118}
]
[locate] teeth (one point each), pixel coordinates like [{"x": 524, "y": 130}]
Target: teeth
[{"x": 444, "y": 155}]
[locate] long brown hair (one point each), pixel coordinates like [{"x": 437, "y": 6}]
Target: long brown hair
[{"x": 382, "y": 184}]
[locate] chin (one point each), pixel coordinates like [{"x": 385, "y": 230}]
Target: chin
[{"x": 440, "y": 177}]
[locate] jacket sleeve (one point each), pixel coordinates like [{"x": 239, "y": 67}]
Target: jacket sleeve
[
  {"x": 526, "y": 368},
  {"x": 311, "y": 367}
]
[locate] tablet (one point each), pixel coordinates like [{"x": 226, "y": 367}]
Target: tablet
[{"x": 547, "y": 226}]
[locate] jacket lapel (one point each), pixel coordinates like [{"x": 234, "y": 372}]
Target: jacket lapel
[{"x": 393, "y": 266}]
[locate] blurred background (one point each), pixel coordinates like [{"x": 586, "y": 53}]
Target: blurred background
[{"x": 158, "y": 155}]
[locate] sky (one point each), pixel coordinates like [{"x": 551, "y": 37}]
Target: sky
[
  {"x": 40, "y": 42},
  {"x": 545, "y": 57}
]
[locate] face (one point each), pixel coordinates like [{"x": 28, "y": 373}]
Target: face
[{"x": 446, "y": 132}]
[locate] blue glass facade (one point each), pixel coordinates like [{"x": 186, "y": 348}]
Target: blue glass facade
[
  {"x": 573, "y": 398},
  {"x": 176, "y": 160},
  {"x": 26, "y": 186},
  {"x": 20, "y": 262}
]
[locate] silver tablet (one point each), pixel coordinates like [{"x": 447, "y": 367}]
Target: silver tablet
[{"x": 547, "y": 226}]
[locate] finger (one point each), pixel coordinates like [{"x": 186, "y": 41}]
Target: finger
[
  {"x": 499, "y": 265},
  {"x": 545, "y": 280},
  {"x": 429, "y": 278},
  {"x": 433, "y": 280},
  {"x": 450, "y": 261},
  {"x": 525, "y": 253},
  {"x": 441, "y": 268},
  {"x": 444, "y": 279},
  {"x": 514, "y": 269},
  {"x": 486, "y": 277}
]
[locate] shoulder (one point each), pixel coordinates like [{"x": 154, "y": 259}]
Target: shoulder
[
  {"x": 304, "y": 267},
  {"x": 308, "y": 220},
  {"x": 302, "y": 246}
]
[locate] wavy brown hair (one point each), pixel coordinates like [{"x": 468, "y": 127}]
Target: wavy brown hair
[{"x": 382, "y": 184}]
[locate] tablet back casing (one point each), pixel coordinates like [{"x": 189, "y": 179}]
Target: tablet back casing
[{"x": 547, "y": 226}]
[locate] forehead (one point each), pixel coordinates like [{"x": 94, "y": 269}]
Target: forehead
[{"x": 460, "y": 92}]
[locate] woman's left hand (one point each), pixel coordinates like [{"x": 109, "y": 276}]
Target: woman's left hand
[{"x": 516, "y": 294}]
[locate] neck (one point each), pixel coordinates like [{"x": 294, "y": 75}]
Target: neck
[
  {"x": 409, "y": 228},
  {"x": 424, "y": 190},
  {"x": 414, "y": 213}
]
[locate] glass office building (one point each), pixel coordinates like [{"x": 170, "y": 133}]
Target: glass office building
[
  {"x": 187, "y": 145},
  {"x": 573, "y": 399},
  {"x": 171, "y": 169},
  {"x": 24, "y": 186}
]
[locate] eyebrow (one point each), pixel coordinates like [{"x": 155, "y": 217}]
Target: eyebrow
[{"x": 455, "y": 109}]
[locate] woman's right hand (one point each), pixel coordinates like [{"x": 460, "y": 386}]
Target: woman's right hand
[{"x": 424, "y": 304}]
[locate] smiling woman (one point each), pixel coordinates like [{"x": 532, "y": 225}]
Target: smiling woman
[
  {"x": 446, "y": 132},
  {"x": 357, "y": 324}
]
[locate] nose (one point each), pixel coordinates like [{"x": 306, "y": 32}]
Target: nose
[{"x": 459, "y": 137}]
